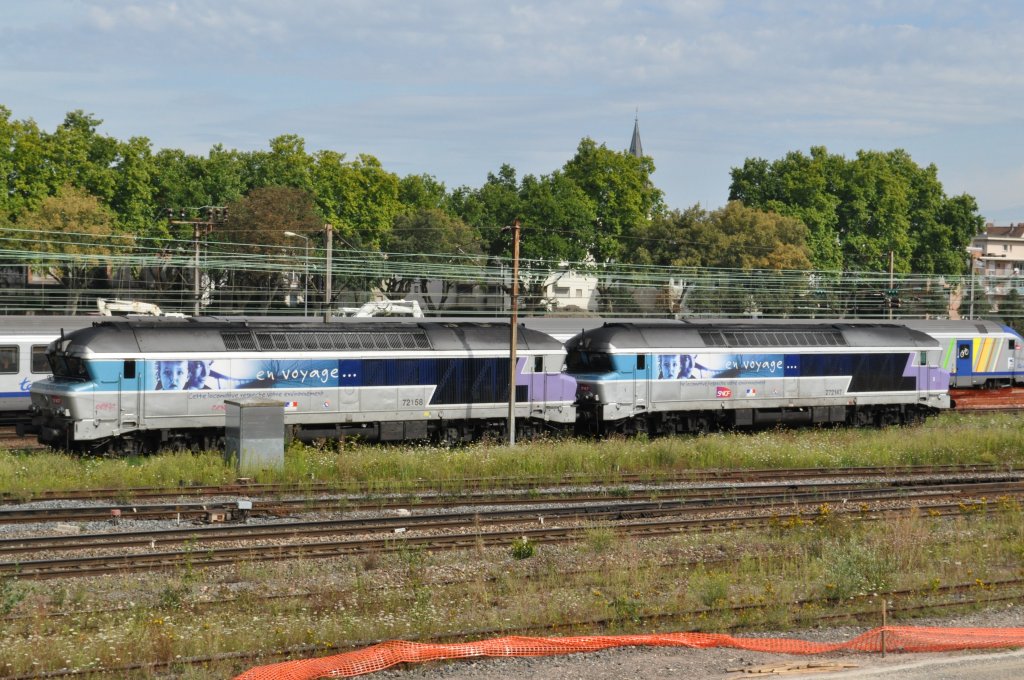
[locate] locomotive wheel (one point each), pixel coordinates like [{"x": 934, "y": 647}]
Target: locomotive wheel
[{"x": 914, "y": 416}]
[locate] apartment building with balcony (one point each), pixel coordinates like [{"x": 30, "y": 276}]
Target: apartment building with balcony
[{"x": 998, "y": 251}]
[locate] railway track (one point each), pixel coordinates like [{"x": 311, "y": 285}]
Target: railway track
[
  {"x": 9, "y": 439},
  {"x": 716, "y": 506},
  {"x": 203, "y": 546},
  {"x": 248, "y": 489},
  {"x": 784, "y": 492}
]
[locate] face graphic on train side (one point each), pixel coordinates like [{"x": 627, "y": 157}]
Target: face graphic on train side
[
  {"x": 171, "y": 375},
  {"x": 198, "y": 372},
  {"x": 673, "y": 366}
]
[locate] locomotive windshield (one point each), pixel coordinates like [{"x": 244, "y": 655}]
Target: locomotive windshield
[
  {"x": 578, "y": 361},
  {"x": 67, "y": 367}
]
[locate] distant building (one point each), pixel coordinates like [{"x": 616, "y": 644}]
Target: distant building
[
  {"x": 999, "y": 251},
  {"x": 997, "y": 260}
]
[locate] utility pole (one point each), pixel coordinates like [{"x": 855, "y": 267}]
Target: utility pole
[
  {"x": 209, "y": 215},
  {"x": 513, "y": 340},
  {"x": 195, "y": 270},
  {"x": 891, "y": 291},
  {"x": 327, "y": 284}
]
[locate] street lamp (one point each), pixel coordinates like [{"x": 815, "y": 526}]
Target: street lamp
[
  {"x": 512, "y": 339},
  {"x": 305, "y": 272}
]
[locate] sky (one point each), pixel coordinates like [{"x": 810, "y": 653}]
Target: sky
[{"x": 456, "y": 88}]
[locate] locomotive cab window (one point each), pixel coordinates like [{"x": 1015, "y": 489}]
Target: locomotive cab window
[
  {"x": 581, "y": 362},
  {"x": 39, "y": 362},
  {"x": 641, "y": 362},
  {"x": 71, "y": 367},
  {"x": 129, "y": 369},
  {"x": 538, "y": 364},
  {"x": 9, "y": 359}
]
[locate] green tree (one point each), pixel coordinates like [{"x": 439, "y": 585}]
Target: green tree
[
  {"x": 490, "y": 208},
  {"x": 1011, "y": 309},
  {"x": 558, "y": 223},
  {"x": 72, "y": 235},
  {"x": 179, "y": 180},
  {"x": 735, "y": 237},
  {"x": 255, "y": 229},
  {"x": 286, "y": 164},
  {"x": 673, "y": 239},
  {"x": 359, "y": 198},
  {"x": 190, "y": 181},
  {"x": 755, "y": 239},
  {"x": 874, "y": 215},
  {"x": 798, "y": 186},
  {"x": 418, "y": 192},
  {"x": 135, "y": 189},
  {"x": 942, "y": 250},
  {"x": 619, "y": 184},
  {"x": 558, "y": 220},
  {"x": 443, "y": 246},
  {"x": 859, "y": 211},
  {"x": 79, "y": 155},
  {"x": 25, "y": 166}
]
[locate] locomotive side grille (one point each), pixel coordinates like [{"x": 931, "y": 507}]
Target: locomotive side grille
[
  {"x": 239, "y": 341},
  {"x": 741, "y": 338},
  {"x": 320, "y": 341},
  {"x": 332, "y": 341},
  {"x": 271, "y": 341}
]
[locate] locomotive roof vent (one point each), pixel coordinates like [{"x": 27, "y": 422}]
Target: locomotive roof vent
[
  {"x": 764, "y": 338},
  {"x": 319, "y": 340}
]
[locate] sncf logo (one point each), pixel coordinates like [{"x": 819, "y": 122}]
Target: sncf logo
[{"x": 723, "y": 392}]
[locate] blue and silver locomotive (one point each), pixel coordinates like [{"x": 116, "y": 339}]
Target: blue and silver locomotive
[
  {"x": 141, "y": 385},
  {"x": 690, "y": 377}
]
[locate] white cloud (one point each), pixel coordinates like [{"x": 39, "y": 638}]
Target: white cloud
[{"x": 487, "y": 83}]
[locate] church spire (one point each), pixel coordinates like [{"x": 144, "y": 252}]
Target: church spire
[{"x": 635, "y": 147}]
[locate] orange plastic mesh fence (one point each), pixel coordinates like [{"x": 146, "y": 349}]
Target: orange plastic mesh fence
[{"x": 384, "y": 655}]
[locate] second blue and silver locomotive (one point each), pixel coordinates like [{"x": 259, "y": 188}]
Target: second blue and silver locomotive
[{"x": 665, "y": 378}]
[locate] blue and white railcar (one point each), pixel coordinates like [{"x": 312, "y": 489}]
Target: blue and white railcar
[
  {"x": 674, "y": 377},
  {"x": 139, "y": 385},
  {"x": 23, "y": 342}
]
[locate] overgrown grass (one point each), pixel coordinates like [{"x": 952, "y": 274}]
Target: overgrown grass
[
  {"x": 626, "y": 582},
  {"x": 690, "y": 582},
  {"x": 949, "y": 439}
]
